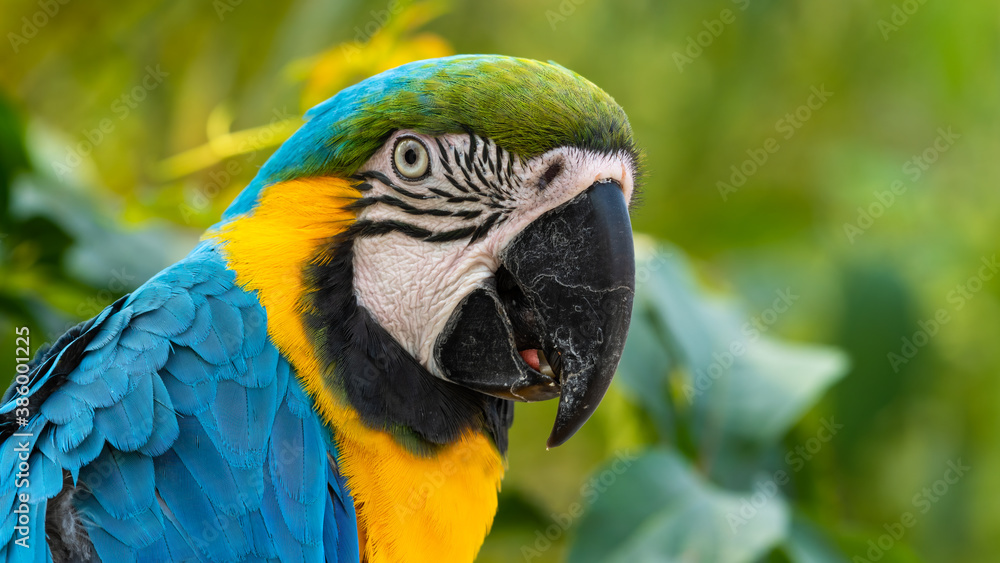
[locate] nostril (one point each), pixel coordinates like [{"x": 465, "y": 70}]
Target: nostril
[{"x": 550, "y": 174}]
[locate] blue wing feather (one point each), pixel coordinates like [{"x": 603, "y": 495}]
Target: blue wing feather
[
  {"x": 109, "y": 547},
  {"x": 299, "y": 478},
  {"x": 186, "y": 429},
  {"x": 173, "y": 546},
  {"x": 164, "y": 421},
  {"x": 137, "y": 531},
  {"x": 122, "y": 482},
  {"x": 287, "y": 546},
  {"x": 46, "y": 476},
  {"x": 189, "y": 399},
  {"x": 233, "y": 490},
  {"x": 70, "y": 434},
  {"x": 128, "y": 423},
  {"x": 340, "y": 546}
]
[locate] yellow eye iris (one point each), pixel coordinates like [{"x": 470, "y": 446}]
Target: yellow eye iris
[{"x": 410, "y": 158}]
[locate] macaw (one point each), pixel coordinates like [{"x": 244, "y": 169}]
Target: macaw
[{"x": 330, "y": 374}]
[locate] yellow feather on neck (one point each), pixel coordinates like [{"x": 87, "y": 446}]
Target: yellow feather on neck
[{"x": 409, "y": 507}]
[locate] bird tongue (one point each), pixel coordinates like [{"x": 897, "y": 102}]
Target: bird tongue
[{"x": 531, "y": 357}]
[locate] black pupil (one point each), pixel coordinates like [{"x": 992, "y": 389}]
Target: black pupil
[{"x": 410, "y": 156}]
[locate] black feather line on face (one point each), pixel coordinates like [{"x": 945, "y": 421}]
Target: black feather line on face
[
  {"x": 471, "y": 155},
  {"x": 455, "y": 183},
  {"x": 497, "y": 191},
  {"x": 455, "y": 234},
  {"x": 468, "y": 180},
  {"x": 442, "y": 193},
  {"x": 442, "y": 156},
  {"x": 364, "y": 202},
  {"x": 385, "y": 180},
  {"x": 471, "y": 214},
  {"x": 378, "y": 228},
  {"x": 388, "y": 388},
  {"x": 468, "y": 160},
  {"x": 479, "y": 174},
  {"x": 483, "y": 229}
]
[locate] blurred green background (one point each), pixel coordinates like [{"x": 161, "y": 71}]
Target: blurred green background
[{"x": 813, "y": 358}]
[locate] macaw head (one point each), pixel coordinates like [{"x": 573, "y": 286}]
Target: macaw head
[{"x": 487, "y": 256}]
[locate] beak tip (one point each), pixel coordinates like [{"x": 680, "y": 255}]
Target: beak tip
[
  {"x": 563, "y": 430},
  {"x": 558, "y": 437}
]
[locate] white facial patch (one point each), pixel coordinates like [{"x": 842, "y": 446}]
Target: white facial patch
[{"x": 421, "y": 260}]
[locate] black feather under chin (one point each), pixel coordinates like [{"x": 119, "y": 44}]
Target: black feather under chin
[{"x": 389, "y": 389}]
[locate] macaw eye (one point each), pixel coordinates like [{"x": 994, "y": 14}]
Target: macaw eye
[{"x": 410, "y": 158}]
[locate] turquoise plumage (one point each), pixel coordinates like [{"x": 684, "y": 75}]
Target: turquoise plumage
[{"x": 188, "y": 428}]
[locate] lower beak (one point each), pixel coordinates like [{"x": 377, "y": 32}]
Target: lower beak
[{"x": 564, "y": 289}]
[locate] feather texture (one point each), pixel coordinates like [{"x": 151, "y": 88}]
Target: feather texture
[{"x": 185, "y": 430}]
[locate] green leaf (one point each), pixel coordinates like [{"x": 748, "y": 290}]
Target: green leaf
[
  {"x": 642, "y": 373},
  {"x": 666, "y": 285},
  {"x": 773, "y": 384},
  {"x": 657, "y": 508},
  {"x": 737, "y": 382},
  {"x": 807, "y": 544}
]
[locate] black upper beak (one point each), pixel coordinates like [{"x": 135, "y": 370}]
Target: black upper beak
[{"x": 565, "y": 288}]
